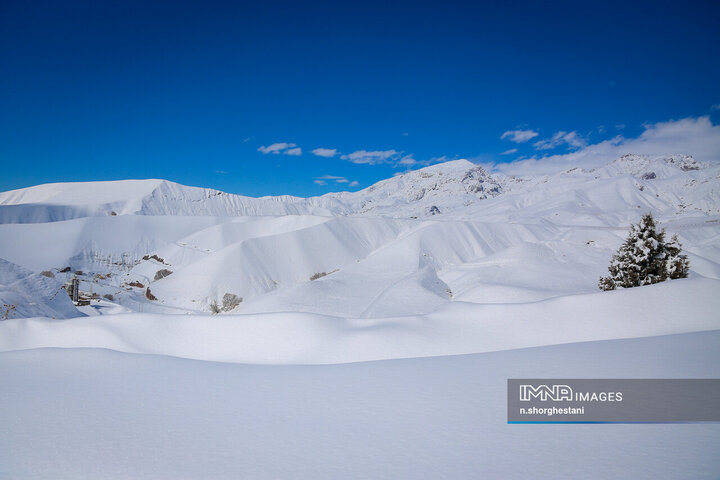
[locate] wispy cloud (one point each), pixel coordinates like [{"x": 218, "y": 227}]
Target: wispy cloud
[
  {"x": 324, "y": 179},
  {"x": 221, "y": 172},
  {"x": 334, "y": 178},
  {"x": 519, "y": 136},
  {"x": 571, "y": 139},
  {"x": 509, "y": 152},
  {"x": 407, "y": 160},
  {"x": 696, "y": 136},
  {"x": 276, "y": 147},
  {"x": 293, "y": 151},
  {"x": 325, "y": 152},
  {"x": 715, "y": 107},
  {"x": 371, "y": 157}
]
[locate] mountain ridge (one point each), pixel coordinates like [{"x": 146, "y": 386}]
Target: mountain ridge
[{"x": 425, "y": 192}]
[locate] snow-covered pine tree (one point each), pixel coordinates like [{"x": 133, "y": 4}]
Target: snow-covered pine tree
[
  {"x": 606, "y": 283},
  {"x": 677, "y": 264},
  {"x": 640, "y": 260}
]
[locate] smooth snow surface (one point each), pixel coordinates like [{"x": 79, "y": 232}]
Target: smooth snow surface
[{"x": 88, "y": 414}]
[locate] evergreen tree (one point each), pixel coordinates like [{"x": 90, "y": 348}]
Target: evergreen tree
[
  {"x": 644, "y": 258},
  {"x": 677, "y": 265},
  {"x": 606, "y": 283}
]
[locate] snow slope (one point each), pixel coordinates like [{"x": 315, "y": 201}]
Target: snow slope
[
  {"x": 32, "y": 294},
  {"x": 64, "y": 201},
  {"x": 88, "y": 413}
]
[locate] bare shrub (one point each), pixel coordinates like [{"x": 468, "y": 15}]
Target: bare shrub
[
  {"x": 108, "y": 296},
  {"x": 8, "y": 310},
  {"x": 47, "y": 273},
  {"x": 317, "y": 275},
  {"x": 214, "y": 308}
]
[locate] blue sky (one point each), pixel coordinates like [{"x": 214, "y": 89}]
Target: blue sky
[{"x": 196, "y": 92}]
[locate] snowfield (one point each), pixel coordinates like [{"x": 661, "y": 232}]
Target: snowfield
[
  {"x": 88, "y": 413},
  {"x": 355, "y": 335}
]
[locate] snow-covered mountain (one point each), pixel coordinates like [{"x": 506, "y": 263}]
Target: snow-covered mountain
[
  {"x": 406, "y": 245},
  {"x": 445, "y": 185},
  {"x": 674, "y": 184}
]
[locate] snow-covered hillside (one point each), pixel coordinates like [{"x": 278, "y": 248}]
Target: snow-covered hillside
[
  {"x": 407, "y": 245},
  {"x": 27, "y": 294}
]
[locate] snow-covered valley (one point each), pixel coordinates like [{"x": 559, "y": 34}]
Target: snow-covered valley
[{"x": 353, "y": 335}]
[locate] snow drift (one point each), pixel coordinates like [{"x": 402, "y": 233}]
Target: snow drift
[
  {"x": 88, "y": 413},
  {"x": 297, "y": 338}
]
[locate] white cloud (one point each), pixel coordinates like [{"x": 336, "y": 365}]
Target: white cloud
[
  {"x": 392, "y": 157},
  {"x": 325, "y": 152},
  {"x": 334, "y": 177},
  {"x": 276, "y": 147},
  {"x": 293, "y": 151},
  {"x": 353, "y": 184},
  {"x": 411, "y": 161},
  {"x": 694, "y": 136},
  {"x": 571, "y": 139},
  {"x": 519, "y": 136},
  {"x": 371, "y": 158},
  {"x": 324, "y": 179},
  {"x": 407, "y": 160},
  {"x": 509, "y": 152}
]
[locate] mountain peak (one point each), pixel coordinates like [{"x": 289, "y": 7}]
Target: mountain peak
[{"x": 651, "y": 167}]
